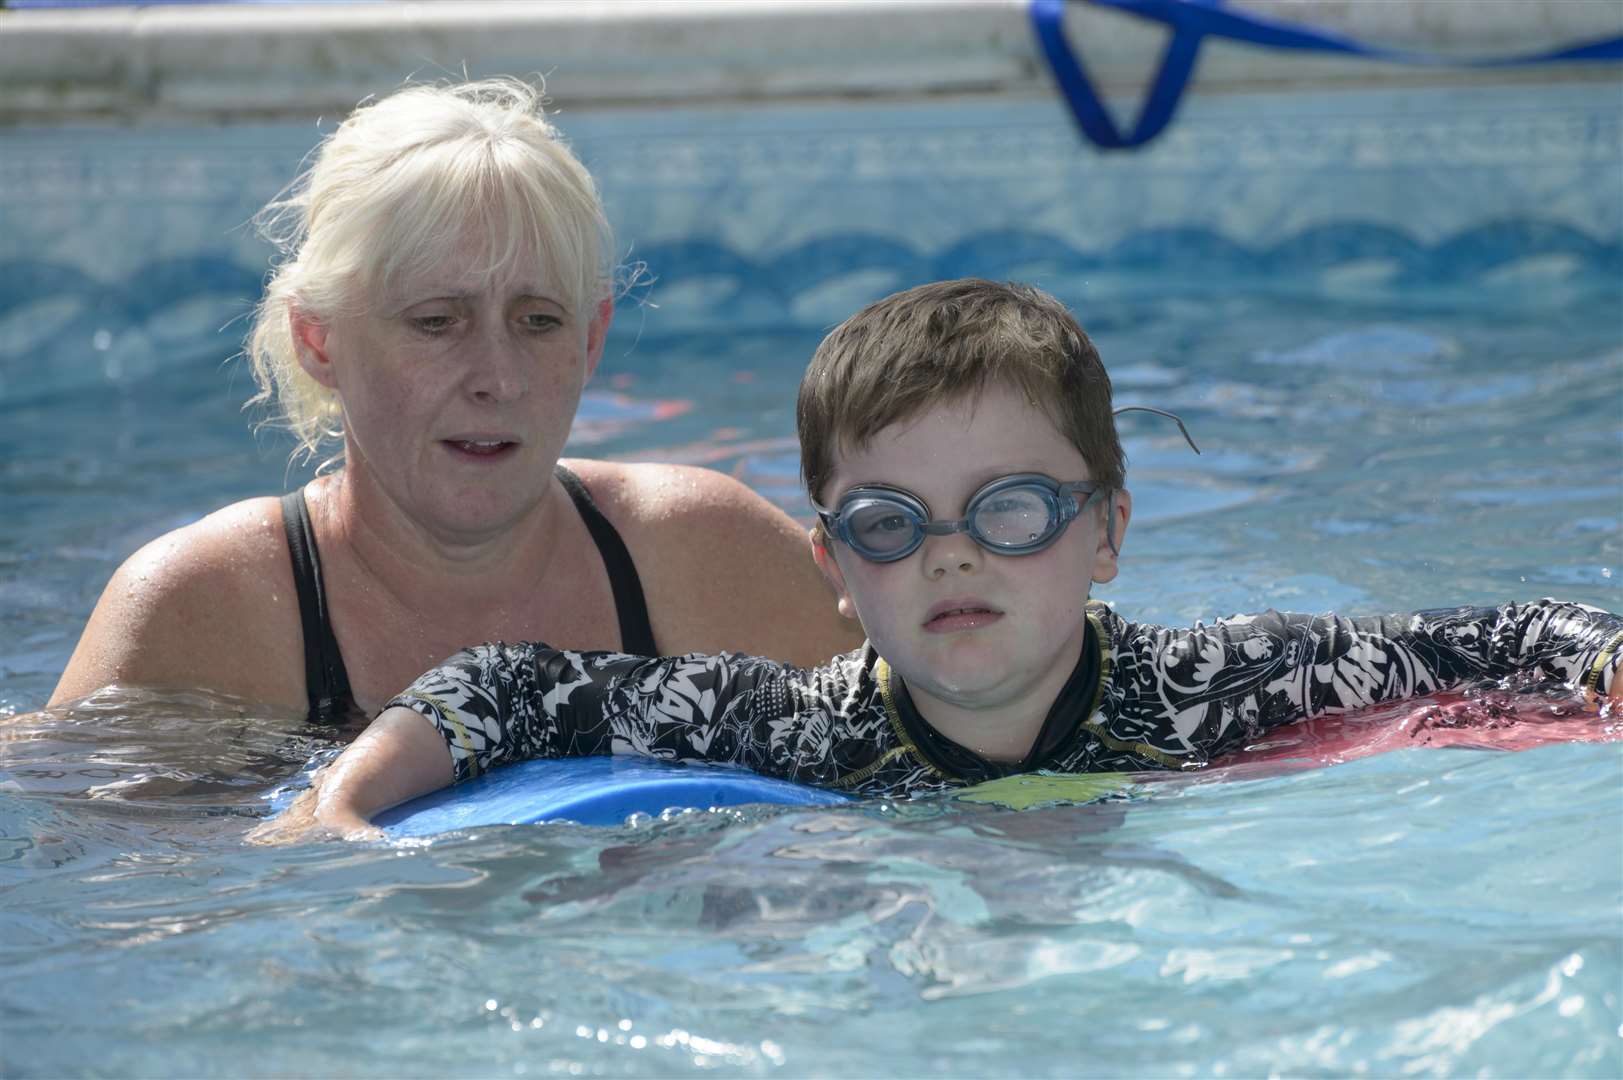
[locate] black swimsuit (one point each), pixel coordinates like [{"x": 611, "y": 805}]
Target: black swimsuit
[{"x": 327, "y": 680}]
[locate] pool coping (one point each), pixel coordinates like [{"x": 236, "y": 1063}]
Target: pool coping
[{"x": 218, "y": 63}]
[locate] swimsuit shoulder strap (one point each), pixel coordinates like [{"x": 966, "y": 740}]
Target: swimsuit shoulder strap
[
  {"x": 326, "y": 680},
  {"x": 636, "y": 633}
]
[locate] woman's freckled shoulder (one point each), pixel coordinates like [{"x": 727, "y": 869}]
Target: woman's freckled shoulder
[
  {"x": 695, "y": 523},
  {"x": 251, "y": 529},
  {"x": 239, "y": 548},
  {"x": 689, "y": 529},
  {"x": 660, "y": 494},
  {"x": 208, "y": 604}
]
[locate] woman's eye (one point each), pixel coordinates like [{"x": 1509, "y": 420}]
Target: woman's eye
[
  {"x": 432, "y": 324},
  {"x": 540, "y": 321}
]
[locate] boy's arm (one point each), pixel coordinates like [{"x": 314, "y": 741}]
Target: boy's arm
[
  {"x": 485, "y": 706},
  {"x": 398, "y": 757},
  {"x": 1185, "y": 695},
  {"x": 495, "y": 704}
]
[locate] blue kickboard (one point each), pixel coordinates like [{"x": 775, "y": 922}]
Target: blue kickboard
[{"x": 591, "y": 791}]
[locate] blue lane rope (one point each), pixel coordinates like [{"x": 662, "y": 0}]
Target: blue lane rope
[{"x": 1192, "y": 20}]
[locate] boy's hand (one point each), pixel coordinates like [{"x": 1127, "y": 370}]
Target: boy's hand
[{"x": 304, "y": 822}]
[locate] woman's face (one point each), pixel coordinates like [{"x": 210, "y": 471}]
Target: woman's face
[{"x": 458, "y": 391}]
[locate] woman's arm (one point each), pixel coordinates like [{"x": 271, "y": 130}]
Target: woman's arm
[
  {"x": 398, "y": 757},
  {"x": 209, "y": 605}
]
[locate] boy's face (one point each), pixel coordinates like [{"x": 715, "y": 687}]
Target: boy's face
[{"x": 962, "y": 625}]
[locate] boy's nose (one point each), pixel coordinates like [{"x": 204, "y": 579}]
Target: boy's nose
[{"x": 953, "y": 553}]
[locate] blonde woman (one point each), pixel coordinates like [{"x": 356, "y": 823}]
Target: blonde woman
[{"x": 444, "y": 296}]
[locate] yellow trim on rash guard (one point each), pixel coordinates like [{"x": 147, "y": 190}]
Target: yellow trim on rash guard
[
  {"x": 1106, "y": 665},
  {"x": 882, "y": 678},
  {"x": 881, "y": 674},
  {"x": 446, "y": 715},
  {"x": 1592, "y": 682},
  {"x": 1105, "y": 670},
  {"x": 853, "y": 779}
]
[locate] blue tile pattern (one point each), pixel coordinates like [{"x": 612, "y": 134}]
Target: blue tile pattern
[{"x": 792, "y": 217}]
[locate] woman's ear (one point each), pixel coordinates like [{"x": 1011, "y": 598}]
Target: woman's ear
[
  {"x": 1118, "y": 511},
  {"x": 831, "y": 571},
  {"x": 597, "y": 334},
  {"x": 310, "y": 343}
]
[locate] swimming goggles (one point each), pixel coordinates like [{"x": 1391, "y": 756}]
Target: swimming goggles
[{"x": 1013, "y": 515}]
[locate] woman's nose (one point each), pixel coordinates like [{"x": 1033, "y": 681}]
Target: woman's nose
[{"x": 498, "y": 370}]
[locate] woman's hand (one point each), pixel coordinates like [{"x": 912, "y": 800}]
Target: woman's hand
[{"x": 399, "y": 757}]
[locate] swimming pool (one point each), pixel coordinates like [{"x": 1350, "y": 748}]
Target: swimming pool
[{"x": 1391, "y": 321}]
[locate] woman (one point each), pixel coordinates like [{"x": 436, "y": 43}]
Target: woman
[{"x": 445, "y": 295}]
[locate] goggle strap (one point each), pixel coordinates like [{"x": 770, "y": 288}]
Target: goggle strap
[{"x": 1174, "y": 417}]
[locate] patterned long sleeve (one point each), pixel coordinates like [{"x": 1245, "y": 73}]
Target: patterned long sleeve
[
  {"x": 497, "y": 703},
  {"x": 1182, "y": 696}
]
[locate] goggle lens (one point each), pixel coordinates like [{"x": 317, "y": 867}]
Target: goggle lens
[
  {"x": 1015, "y": 517},
  {"x": 882, "y": 527}
]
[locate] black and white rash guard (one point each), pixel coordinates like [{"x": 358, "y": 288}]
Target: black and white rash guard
[{"x": 1141, "y": 697}]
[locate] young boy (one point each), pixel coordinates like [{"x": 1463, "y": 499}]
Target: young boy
[{"x": 959, "y": 446}]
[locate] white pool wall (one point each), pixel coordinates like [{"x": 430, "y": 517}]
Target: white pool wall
[{"x": 197, "y": 63}]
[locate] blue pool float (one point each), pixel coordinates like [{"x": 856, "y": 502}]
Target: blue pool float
[{"x": 591, "y": 791}]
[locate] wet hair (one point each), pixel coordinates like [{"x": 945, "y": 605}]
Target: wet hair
[
  {"x": 390, "y": 191},
  {"x": 942, "y": 343}
]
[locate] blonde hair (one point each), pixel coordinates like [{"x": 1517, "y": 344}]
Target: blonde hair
[
  {"x": 944, "y": 342},
  {"x": 395, "y": 187}
]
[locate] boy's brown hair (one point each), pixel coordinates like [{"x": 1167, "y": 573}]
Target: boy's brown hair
[{"x": 941, "y": 342}]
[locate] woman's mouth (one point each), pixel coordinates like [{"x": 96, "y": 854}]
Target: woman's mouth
[{"x": 481, "y": 449}]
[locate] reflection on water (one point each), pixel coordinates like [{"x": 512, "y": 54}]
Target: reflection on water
[{"x": 159, "y": 747}]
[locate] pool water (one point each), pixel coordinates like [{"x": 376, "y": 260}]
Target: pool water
[{"x": 1442, "y": 907}]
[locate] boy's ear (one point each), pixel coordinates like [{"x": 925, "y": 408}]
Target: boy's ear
[
  {"x": 1118, "y": 511},
  {"x": 310, "y": 344},
  {"x": 831, "y": 571}
]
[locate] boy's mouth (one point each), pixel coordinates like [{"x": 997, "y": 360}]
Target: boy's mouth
[{"x": 950, "y": 616}]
